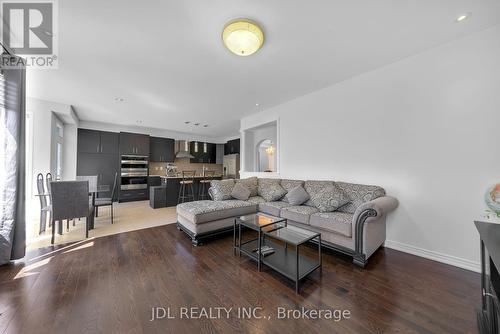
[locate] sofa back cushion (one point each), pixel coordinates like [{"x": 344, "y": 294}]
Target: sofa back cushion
[
  {"x": 240, "y": 192},
  {"x": 271, "y": 190},
  {"x": 220, "y": 190},
  {"x": 290, "y": 184},
  {"x": 325, "y": 195},
  {"x": 359, "y": 194},
  {"x": 251, "y": 183}
]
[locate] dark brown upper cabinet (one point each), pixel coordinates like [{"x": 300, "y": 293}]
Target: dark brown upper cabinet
[
  {"x": 134, "y": 144},
  {"x": 232, "y": 147},
  {"x": 162, "y": 149},
  {"x": 93, "y": 141}
]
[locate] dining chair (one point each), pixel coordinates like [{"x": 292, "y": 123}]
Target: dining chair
[
  {"x": 70, "y": 199},
  {"x": 44, "y": 206},
  {"x": 92, "y": 180},
  {"x": 105, "y": 201},
  {"x": 48, "y": 179}
]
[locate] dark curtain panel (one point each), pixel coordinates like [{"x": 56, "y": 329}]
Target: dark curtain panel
[{"x": 12, "y": 163}]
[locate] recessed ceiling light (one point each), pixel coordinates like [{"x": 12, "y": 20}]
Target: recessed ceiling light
[
  {"x": 462, "y": 17},
  {"x": 119, "y": 99},
  {"x": 242, "y": 37},
  {"x": 205, "y": 126},
  {"x": 256, "y": 104},
  {"x": 196, "y": 124},
  {"x": 187, "y": 122}
]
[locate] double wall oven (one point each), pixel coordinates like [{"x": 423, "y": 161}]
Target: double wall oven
[{"x": 134, "y": 172}]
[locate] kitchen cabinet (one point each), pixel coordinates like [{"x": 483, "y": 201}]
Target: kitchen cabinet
[
  {"x": 97, "y": 154},
  {"x": 93, "y": 141},
  {"x": 232, "y": 147},
  {"x": 203, "y": 152},
  {"x": 219, "y": 154},
  {"x": 134, "y": 144},
  {"x": 103, "y": 161},
  {"x": 162, "y": 149},
  {"x": 134, "y": 195}
]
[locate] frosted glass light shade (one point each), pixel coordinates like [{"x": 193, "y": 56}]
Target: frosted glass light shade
[{"x": 243, "y": 37}]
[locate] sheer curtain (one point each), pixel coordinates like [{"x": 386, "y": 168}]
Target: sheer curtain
[{"x": 12, "y": 163}]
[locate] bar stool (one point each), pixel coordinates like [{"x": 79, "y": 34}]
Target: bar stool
[
  {"x": 186, "y": 186},
  {"x": 205, "y": 184}
]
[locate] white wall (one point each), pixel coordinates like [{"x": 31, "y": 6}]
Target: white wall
[
  {"x": 253, "y": 138},
  {"x": 425, "y": 128},
  {"x": 69, "y": 151}
]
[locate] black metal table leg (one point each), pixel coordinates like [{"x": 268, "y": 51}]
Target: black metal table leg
[
  {"x": 234, "y": 237},
  {"x": 297, "y": 269},
  {"x": 319, "y": 252},
  {"x": 258, "y": 251},
  {"x": 239, "y": 240}
]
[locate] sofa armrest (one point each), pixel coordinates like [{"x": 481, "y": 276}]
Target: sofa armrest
[
  {"x": 368, "y": 237},
  {"x": 381, "y": 207}
]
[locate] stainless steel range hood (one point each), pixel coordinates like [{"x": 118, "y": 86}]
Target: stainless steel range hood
[{"x": 182, "y": 149}]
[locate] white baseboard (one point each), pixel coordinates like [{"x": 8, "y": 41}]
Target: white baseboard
[{"x": 432, "y": 255}]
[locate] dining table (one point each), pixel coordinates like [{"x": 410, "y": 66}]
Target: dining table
[{"x": 94, "y": 190}]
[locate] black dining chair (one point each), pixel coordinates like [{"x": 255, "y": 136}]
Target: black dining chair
[
  {"x": 44, "y": 205},
  {"x": 106, "y": 201},
  {"x": 70, "y": 199}
]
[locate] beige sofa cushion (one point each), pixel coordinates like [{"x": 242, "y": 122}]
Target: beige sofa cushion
[
  {"x": 325, "y": 195},
  {"x": 299, "y": 213},
  {"x": 251, "y": 183},
  {"x": 256, "y": 200},
  {"x": 359, "y": 194},
  {"x": 271, "y": 190},
  {"x": 338, "y": 222},
  {"x": 273, "y": 208},
  {"x": 221, "y": 189},
  {"x": 200, "y": 212}
]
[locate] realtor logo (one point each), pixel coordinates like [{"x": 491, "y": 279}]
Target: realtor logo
[{"x": 29, "y": 31}]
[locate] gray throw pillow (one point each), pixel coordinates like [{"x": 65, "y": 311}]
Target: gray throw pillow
[
  {"x": 329, "y": 197},
  {"x": 297, "y": 196},
  {"x": 221, "y": 189},
  {"x": 240, "y": 192}
]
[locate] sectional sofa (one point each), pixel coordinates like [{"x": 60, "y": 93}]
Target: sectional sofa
[{"x": 356, "y": 228}]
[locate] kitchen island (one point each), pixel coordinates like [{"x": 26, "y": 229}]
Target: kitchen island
[{"x": 172, "y": 184}]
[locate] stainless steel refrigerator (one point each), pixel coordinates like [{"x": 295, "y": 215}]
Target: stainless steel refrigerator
[{"x": 231, "y": 166}]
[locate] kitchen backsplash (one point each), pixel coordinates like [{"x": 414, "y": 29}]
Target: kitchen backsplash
[{"x": 158, "y": 168}]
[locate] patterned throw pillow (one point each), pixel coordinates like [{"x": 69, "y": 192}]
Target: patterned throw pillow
[
  {"x": 251, "y": 183},
  {"x": 271, "y": 190},
  {"x": 221, "y": 189},
  {"x": 326, "y": 196},
  {"x": 240, "y": 192},
  {"x": 359, "y": 194}
]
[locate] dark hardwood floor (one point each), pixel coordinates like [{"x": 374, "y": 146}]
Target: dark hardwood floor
[{"x": 110, "y": 284}]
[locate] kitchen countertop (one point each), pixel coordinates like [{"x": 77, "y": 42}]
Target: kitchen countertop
[{"x": 180, "y": 177}]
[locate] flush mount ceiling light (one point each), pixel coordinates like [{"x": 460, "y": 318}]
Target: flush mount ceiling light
[
  {"x": 242, "y": 37},
  {"x": 462, "y": 17}
]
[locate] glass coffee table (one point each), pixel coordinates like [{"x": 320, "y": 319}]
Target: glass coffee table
[
  {"x": 258, "y": 222},
  {"x": 275, "y": 233}
]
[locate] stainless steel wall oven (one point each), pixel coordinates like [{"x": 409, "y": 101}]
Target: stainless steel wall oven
[{"x": 134, "y": 172}]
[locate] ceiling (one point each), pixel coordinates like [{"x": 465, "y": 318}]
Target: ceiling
[{"x": 167, "y": 61}]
